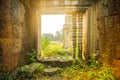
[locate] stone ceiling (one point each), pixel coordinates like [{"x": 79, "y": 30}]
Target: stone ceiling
[{"x": 59, "y": 6}]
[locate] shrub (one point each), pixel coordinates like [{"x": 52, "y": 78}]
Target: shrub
[
  {"x": 88, "y": 70},
  {"x": 32, "y": 55}
]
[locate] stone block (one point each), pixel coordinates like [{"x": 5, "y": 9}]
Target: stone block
[
  {"x": 16, "y": 32},
  {"x": 5, "y": 30},
  {"x": 117, "y": 19},
  {"x": 17, "y": 45},
  {"x": 6, "y": 46},
  {"x": 10, "y": 62},
  {"x": 106, "y": 21},
  {"x": 9, "y": 59},
  {"x": 110, "y": 21}
]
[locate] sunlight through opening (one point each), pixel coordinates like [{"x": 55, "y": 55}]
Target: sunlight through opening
[{"x": 52, "y": 36}]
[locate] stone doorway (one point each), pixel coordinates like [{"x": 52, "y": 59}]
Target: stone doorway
[
  {"x": 74, "y": 13},
  {"x": 72, "y": 34},
  {"x": 75, "y": 8},
  {"x": 56, "y": 36}
]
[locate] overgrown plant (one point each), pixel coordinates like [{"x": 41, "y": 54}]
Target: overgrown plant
[
  {"x": 88, "y": 70},
  {"x": 45, "y": 44},
  {"x": 23, "y": 72},
  {"x": 30, "y": 72},
  {"x": 38, "y": 72},
  {"x": 57, "y": 50},
  {"x": 33, "y": 55}
]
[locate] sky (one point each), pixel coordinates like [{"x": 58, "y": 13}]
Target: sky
[{"x": 52, "y": 23}]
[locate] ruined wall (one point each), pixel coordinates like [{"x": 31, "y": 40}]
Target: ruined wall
[
  {"x": 104, "y": 17},
  {"x": 67, "y": 32},
  {"x": 19, "y": 27},
  {"x": 11, "y": 33},
  {"x": 90, "y": 33}
]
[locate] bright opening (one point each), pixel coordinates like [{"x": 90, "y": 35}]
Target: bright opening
[
  {"x": 53, "y": 37},
  {"x": 52, "y": 23}
]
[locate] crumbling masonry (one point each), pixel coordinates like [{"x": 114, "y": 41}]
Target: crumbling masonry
[{"x": 20, "y": 29}]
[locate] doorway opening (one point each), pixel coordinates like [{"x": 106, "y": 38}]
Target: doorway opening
[{"x": 56, "y": 36}]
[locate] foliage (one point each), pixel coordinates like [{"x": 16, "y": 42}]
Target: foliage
[
  {"x": 50, "y": 36},
  {"x": 38, "y": 72},
  {"x": 6, "y": 76},
  {"x": 33, "y": 55},
  {"x": 57, "y": 37},
  {"x": 56, "y": 50},
  {"x": 24, "y": 68},
  {"x": 45, "y": 44},
  {"x": 88, "y": 70},
  {"x": 23, "y": 73}
]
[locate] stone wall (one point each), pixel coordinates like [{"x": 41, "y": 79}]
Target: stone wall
[
  {"x": 103, "y": 27},
  {"x": 19, "y": 27},
  {"x": 67, "y": 32},
  {"x": 11, "y": 33},
  {"x": 90, "y": 33}
]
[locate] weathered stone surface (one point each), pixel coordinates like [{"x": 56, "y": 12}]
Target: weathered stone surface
[
  {"x": 33, "y": 67},
  {"x": 51, "y": 71},
  {"x": 67, "y": 32},
  {"x": 103, "y": 19},
  {"x": 17, "y": 36},
  {"x": 18, "y": 32},
  {"x": 11, "y": 24},
  {"x": 56, "y": 62},
  {"x": 116, "y": 64}
]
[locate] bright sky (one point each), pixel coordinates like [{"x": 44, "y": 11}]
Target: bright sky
[{"x": 52, "y": 23}]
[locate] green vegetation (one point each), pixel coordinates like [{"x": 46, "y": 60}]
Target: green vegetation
[
  {"x": 80, "y": 70},
  {"x": 32, "y": 55},
  {"x": 88, "y": 70},
  {"x": 50, "y": 49},
  {"x": 24, "y": 73},
  {"x": 57, "y": 37},
  {"x": 52, "y": 46},
  {"x": 30, "y": 72}
]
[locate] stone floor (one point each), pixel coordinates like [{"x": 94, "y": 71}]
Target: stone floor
[
  {"x": 52, "y": 74},
  {"x": 54, "y": 65}
]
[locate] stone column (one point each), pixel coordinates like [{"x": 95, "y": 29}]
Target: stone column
[
  {"x": 39, "y": 36},
  {"x": 32, "y": 25},
  {"x": 80, "y": 33},
  {"x": 74, "y": 30}
]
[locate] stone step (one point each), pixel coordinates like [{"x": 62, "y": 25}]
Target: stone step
[
  {"x": 52, "y": 71},
  {"x": 56, "y": 62}
]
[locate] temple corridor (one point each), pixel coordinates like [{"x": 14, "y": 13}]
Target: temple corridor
[{"x": 93, "y": 25}]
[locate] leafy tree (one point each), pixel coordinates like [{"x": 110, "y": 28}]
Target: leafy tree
[
  {"x": 50, "y": 36},
  {"x": 58, "y": 36}
]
